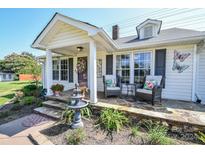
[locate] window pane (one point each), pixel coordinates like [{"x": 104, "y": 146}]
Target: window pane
[
  {"x": 55, "y": 70},
  {"x": 64, "y": 69},
  {"x": 142, "y": 66},
  {"x": 123, "y": 67}
]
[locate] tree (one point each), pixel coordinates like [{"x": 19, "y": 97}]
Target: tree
[{"x": 19, "y": 63}]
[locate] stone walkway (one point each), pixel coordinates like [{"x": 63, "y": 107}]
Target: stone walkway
[{"x": 19, "y": 132}]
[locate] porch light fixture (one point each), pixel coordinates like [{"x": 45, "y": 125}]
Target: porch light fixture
[{"x": 79, "y": 49}]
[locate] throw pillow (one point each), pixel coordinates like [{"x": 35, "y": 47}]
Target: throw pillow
[
  {"x": 109, "y": 83},
  {"x": 150, "y": 84}
]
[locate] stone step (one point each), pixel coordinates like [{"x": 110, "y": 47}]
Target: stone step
[
  {"x": 50, "y": 112},
  {"x": 55, "y": 104},
  {"x": 59, "y": 98}
]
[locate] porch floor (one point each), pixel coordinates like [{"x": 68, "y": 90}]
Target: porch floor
[{"x": 173, "y": 111}]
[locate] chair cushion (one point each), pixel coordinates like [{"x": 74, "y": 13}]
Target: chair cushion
[
  {"x": 156, "y": 78},
  {"x": 110, "y": 80},
  {"x": 113, "y": 88},
  {"x": 145, "y": 91}
]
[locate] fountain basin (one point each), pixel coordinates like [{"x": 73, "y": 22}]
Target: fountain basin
[{"x": 77, "y": 121}]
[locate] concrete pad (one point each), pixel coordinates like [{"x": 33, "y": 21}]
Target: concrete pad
[{"x": 16, "y": 141}]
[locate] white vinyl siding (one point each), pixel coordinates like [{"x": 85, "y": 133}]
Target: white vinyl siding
[
  {"x": 178, "y": 85},
  {"x": 68, "y": 35},
  {"x": 201, "y": 76}
]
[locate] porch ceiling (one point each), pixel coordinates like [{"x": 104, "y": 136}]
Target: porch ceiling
[{"x": 72, "y": 50}]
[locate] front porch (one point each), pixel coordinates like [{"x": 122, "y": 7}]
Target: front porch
[{"x": 174, "y": 112}]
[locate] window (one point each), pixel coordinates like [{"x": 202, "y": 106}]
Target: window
[
  {"x": 64, "y": 69},
  {"x": 4, "y": 76},
  {"x": 142, "y": 66},
  {"x": 9, "y": 76},
  {"x": 123, "y": 67},
  {"x": 99, "y": 68},
  {"x": 148, "y": 31},
  {"x": 55, "y": 69}
]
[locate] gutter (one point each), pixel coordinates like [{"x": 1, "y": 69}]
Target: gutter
[{"x": 166, "y": 42}]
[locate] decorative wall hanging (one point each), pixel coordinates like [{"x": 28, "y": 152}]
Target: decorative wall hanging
[
  {"x": 99, "y": 68},
  {"x": 179, "y": 59}
]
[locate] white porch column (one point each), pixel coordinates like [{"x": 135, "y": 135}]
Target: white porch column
[
  {"x": 132, "y": 67},
  {"x": 43, "y": 74},
  {"x": 48, "y": 71},
  {"x": 93, "y": 72}
]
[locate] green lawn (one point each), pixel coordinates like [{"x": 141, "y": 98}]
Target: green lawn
[{"x": 7, "y": 89}]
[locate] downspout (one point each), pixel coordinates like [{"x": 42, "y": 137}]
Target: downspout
[{"x": 194, "y": 73}]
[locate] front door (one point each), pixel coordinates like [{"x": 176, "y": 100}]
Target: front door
[{"x": 82, "y": 71}]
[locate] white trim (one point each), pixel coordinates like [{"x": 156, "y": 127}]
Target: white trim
[
  {"x": 153, "y": 62},
  {"x": 73, "y": 22},
  {"x": 194, "y": 72},
  {"x": 93, "y": 71},
  {"x": 132, "y": 67},
  {"x": 49, "y": 71}
]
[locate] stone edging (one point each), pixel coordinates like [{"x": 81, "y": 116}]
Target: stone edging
[{"x": 39, "y": 139}]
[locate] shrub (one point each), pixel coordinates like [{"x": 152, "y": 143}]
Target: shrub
[
  {"x": 57, "y": 87},
  {"x": 76, "y": 137},
  {"x": 86, "y": 112},
  {"x": 16, "y": 107},
  {"x": 67, "y": 116},
  {"x": 134, "y": 131},
  {"x": 18, "y": 96},
  {"x": 28, "y": 100},
  {"x": 201, "y": 136},
  {"x": 157, "y": 133},
  {"x": 29, "y": 90},
  {"x": 4, "y": 114},
  {"x": 112, "y": 120}
]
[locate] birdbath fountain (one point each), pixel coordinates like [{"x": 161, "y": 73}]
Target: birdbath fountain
[{"x": 76, "y": 103}]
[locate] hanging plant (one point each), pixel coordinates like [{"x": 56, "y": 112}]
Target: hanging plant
[{"x": 81, "y": 65}]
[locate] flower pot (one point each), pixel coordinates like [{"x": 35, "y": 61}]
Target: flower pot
[{"x": 56, "y": 93}]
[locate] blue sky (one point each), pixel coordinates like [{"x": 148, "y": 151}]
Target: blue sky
[{"x": 19, "y": 27}]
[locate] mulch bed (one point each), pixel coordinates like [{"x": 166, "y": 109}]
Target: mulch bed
[
  {"x": 96, "y": 136},
  {"x": 15, "y": 111}
]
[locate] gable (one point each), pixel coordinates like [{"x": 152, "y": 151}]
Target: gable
[
  {"x": 60, "y": 24},
  {"x": 62, "y": 33}
]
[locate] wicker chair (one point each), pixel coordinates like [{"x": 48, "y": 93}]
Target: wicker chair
[
  {"x": 112, "y": 90},
  {"x": 154, "y": 93}
]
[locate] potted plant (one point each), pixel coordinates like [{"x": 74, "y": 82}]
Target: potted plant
[{"x": 57, "y": 88}]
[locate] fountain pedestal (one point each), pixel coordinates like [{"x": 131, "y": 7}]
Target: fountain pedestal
[{"x": 76, "y": 104}]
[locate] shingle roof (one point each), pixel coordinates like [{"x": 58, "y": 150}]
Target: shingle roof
[{"x": 164, "y": 35}]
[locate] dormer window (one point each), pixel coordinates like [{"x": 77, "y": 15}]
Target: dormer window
[
  {"x": 148, "y": 31},
  {"x": 149, "y": 28}
]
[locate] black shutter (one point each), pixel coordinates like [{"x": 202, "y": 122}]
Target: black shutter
[
  {"x": 70, "y": 69},
  {"x": 160, "y": 63},
  {"x": 109, "y": 64}
]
